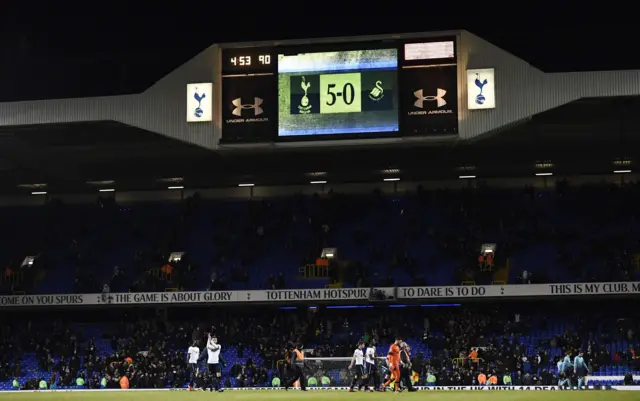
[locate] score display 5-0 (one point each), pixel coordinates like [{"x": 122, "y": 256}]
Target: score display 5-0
[
  {"x": 246, "y": 61},
  {"x": 340, "y": 93},
  {"x": 352, "y": 92}
]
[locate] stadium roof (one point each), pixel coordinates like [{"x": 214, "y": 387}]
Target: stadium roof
[
  {"x": 68, "y": 156},
  {"x": 144, "y": 141},
  {"x": 583, "y": 137}
]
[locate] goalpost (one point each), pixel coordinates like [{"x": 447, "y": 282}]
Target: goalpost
[{"x": 335, "y": 369}]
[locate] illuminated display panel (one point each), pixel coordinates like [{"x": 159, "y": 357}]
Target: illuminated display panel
[
  {"x": 319, "y": 92},
  {"x": 248, "y": 61},
  {"x": 337, "y": 93},
  {"x": 426, "y": 52},
  {"x": 429, "y": 50}
]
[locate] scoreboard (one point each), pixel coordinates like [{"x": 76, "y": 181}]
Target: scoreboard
[{"x": 340, "y": 91}]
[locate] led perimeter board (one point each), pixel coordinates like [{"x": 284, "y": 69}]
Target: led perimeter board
[{"x": 362, "y": 90}]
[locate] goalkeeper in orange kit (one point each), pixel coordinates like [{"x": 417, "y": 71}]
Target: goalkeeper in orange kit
[{"x": 393, "y": 359}]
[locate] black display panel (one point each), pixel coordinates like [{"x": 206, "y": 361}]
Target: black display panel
[
  {"x": 249, "y": 109},
  {"x": 429, "y": 100},
  {"x": 249, "y": 60}
]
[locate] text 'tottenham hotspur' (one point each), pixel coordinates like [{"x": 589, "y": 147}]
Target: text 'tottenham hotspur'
[{"x": 326, "y": 294}]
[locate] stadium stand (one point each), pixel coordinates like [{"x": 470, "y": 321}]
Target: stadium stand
[
  {"x": 402, "y": 212},
  {"x": 383, "y": 240},
  {"x": 522, "y": 341}
]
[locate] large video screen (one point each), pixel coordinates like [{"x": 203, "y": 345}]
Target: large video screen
[{"x": 337, "y": 93}]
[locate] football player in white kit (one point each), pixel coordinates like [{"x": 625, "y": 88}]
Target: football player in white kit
[
  {"x": 213, "y": 363},
  {"x": 371, "y": 367},
  {"x": 358, "y": 361},
  {"x": 193, "y": 354}
]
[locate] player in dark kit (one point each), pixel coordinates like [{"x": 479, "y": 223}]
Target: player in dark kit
[
  {"x": 385, "y": 373},
  {"x": 405, "y": 366},
  {"x": 295, "y": 363}
]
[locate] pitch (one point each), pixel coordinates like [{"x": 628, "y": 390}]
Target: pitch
[{"x": 327, "y": 395}]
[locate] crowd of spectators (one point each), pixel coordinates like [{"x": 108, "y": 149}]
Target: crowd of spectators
[
  {"x": 578, "y": 233},
  {"x": 467, "y": 349},
  {"x": 587, "y": 234},
  {"x": 452, "y": 345}
]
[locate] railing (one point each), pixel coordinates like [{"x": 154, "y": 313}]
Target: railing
[
  {"x": 314, "y": 271},
  {"x": 160, "y": 273},
  {"x": 461, "y": 361},
  {"x": 485, "y": 267},
  {"x": 12, "y": 279}
]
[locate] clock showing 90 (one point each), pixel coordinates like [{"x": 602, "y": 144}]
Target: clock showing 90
[{"x": 248, "y": 60}]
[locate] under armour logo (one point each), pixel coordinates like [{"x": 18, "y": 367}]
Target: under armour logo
[
  {"x": 257, "y": 110},
  {"x": 439, "y": 98}
]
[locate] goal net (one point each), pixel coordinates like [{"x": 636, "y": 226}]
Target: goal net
[{"x": 332, "y": 372}]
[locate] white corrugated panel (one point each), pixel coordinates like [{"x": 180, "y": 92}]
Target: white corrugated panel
[
  {"x": 523, "y": 91},
  {"x": 65, "y": 110},
  {"x": 160, "y": 109},
  {"x": 514, "y": 79}
]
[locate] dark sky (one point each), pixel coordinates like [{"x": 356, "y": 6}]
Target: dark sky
[{"x": 54, "y": 52}]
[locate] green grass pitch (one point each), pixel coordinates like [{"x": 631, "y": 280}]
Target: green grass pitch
[{"x": 328, "y": 395}]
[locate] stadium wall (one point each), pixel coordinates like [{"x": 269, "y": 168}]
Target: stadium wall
[
  {"x": 160, "y": 109},
  {"x": 523, "y": 91}
]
